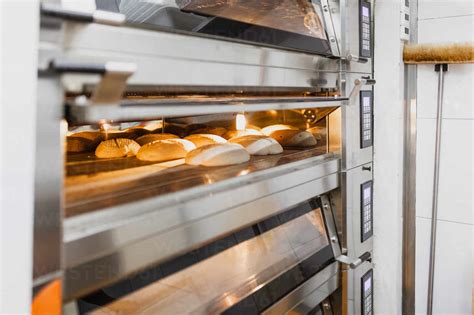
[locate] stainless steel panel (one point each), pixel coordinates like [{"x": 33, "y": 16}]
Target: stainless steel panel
[
  {"x": 354, "y": 294},
  {"x": 183, "y": 60},
  {"x": 309, "y": 295},
  {"x": 121, "y": 245},
  {"x": 352, "y": 153},
  {"x": 351, "y": 189},
  {"x": 350, "y": 36},
  {"x": 48, "y": 182},
  {"x": 148, "y": 109},
  {"x": 409, "y": 176}
]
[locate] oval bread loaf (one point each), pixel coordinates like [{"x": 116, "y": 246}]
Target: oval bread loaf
[
  {"x": 79, "y": 145},
  {"x": 218, "y": 131},
  {"x": 258, "y": 145},
  {"x": 154, "y": 137},
  {"x": 165, "y": 150},
  {"x": 318, "y": 132},
  {"x": 218, "y": 155},
  {"x": 269, "y": 129},
  {"x": 294, "y": 138},
  {"x": 83, "y": 141},
  {"x": 239, "y": 133},
  {"x": 116, "y": 148},
  {"x": 203, "y": 139}
]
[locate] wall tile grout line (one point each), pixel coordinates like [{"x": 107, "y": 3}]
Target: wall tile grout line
[
  {"x": 448, "y": 221},
  {"x": 446, "y": 118},
  {"x": 444, "y": 17}
]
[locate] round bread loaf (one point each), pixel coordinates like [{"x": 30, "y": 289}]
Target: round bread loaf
[
  {"x": 258, "y": 145},
  {"x": 218, "y": 131},
  {"x": 116, "y": 148},
  {"x": 203, "y": 139},
  {"x": 218, "y": 155},
  {"x": 269, "y": 129},
  {"x": 318, "y": 132},
  {"x": 84, "y": 141},
  {"x": 154, "y": 137},
  {"x": 293, "y": 138},
  {"x": 79, "y": 145},
  {"x": 137, "y": 131},
  {"x": 165, "y": 150},
  {"x": 239, "y": 133}
]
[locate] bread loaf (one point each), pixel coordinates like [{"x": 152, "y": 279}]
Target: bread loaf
[
  {"x": 116, "y": 148},
  {"x": 318, "y": 132},
  {"x": 165, "y": 150},
  {"x": 239, "y": 133},
  {"x": 293, "y": 138},
  {"x": 269, "y": 129},
  {"x": 258, "y": 145},
  {"x": 218, "y": 155},
  {"x": 84, "y": 141},
  {"x": 218, "y": 131},
  {"x": 137, "y": 131},
  {"x": 202, "y": 139},
  {"x": 154, "y": 137}
]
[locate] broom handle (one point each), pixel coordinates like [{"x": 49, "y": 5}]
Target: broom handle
[{"x": 434, "y": 215}]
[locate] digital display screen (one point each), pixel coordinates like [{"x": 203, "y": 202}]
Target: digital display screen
[
  {"x": 367, "y": 192},
  {"x": 367, "y": 101},
  {"x": 365, "y": 11},
  {"x": 368, "y": 284}
]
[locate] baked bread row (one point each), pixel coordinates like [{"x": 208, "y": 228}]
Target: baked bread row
[{"x": 206, "y": 149}]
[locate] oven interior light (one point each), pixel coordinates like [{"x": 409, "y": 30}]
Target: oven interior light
[{"x": 240, "y": 122}]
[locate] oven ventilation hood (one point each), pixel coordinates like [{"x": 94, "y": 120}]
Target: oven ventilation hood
[{"x": 302, "y": 25}]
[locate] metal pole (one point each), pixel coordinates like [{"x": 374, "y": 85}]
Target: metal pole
[{"x": 434, "y": 215}]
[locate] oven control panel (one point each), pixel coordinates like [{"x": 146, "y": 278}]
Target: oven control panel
[
  {"x": 367, "y": 285},
  {"x": 366, "y": 113},
  {"x": 366, "y": 223},
  {"x": 365, "y": 29}
]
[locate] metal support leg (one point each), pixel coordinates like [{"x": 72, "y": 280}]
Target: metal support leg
[{"x": 434, "y": 215}]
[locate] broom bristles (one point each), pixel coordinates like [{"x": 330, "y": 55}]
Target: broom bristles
[{"x": 430, "y": 53}]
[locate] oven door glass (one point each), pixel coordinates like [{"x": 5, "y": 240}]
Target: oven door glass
[{"x": 291, "y": 24}]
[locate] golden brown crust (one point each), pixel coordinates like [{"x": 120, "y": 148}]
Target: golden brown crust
[
  {"x": 272, "y": 128},
  {"x": 293, "y": 138},
  {"x": 239, "y": 133},
  {"x": 116, "y": 148},
  {"x": 258, "y": 144},
  {"x": 203, "y": 139},
  {"x": 218, "y": 131},
  {"x": 154, "y": 137},
  {"x": 165, "y": 150}
]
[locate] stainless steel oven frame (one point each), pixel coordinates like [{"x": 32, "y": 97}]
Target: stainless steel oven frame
[{"x": 112, "y": 236}]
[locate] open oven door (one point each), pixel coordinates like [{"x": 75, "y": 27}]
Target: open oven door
[
  {"x": 302, "y": 25},
  {"x": 283, "y": 264}
]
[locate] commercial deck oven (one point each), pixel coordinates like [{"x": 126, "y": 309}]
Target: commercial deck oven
[{"x": 289, "y": 232}]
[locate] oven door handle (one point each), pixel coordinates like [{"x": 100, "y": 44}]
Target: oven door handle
[
  {"x": 114, "y": 76},
  {"x": 356, "y": 58},
  {"x": 96, "y": 16},
  {"x": 358, "y": 83},
  {"x": 354, "y": 263}
]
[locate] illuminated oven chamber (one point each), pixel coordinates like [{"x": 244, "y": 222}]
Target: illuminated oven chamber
[
  {"x": 167, "y": 237},
  {"x": 94, "y": 182}
]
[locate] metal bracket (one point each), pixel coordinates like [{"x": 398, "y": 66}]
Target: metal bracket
[
  {"x": 358, "y": 83},
  {"x": 331, "y": 33},
  {"x": 97, "y": 16},
  {"x": 112, "y": 84},
  {"x": 353, "y": 263}
]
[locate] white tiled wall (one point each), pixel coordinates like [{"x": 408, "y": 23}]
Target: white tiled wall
[{"x": 444, "y": 22}]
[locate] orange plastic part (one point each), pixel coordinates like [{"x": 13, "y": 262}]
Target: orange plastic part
[{"x": 48, "y": 300}]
